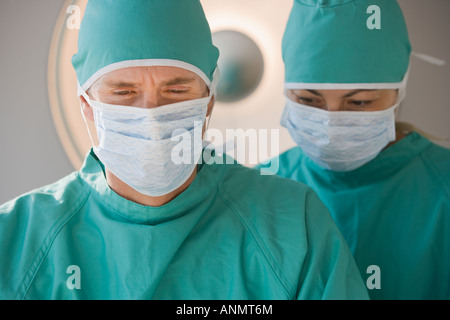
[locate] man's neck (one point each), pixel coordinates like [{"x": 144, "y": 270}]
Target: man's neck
[{"x": 125, "y": 191}]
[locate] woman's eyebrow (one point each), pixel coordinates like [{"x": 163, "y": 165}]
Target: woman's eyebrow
[
  {"x": 352, "y": 93},
  {"x": 314, "y": 92},
  {"x": 348, "y": 95}
]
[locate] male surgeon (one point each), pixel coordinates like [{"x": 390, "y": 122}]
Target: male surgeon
[
  {"x": 145, "y": 217},
  {"x": 388, "y": 189}
]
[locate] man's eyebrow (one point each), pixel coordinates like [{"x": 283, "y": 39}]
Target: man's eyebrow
[
  {"x": 176, "y": 81},
  {"x": 118, "y": 84},
  {"x": 171, "y": 82},
  {"x": 348, "y": 95}
]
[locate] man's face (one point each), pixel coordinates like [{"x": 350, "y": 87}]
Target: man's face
[
  {"x": 345, "y": 100},
  {"x": 146, "y": 87}
]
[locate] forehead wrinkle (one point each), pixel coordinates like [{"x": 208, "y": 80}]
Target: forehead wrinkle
[
  {"x": 127, "y": 83},
  {"x": 178, "y": 80},
  {"x": 120, "y": 83}
]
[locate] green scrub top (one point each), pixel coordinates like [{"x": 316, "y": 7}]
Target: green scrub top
[
  {"x": 233, "y": 234},
  {"x": 394, "y": 213}
]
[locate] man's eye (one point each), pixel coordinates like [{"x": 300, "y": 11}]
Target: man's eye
[
  {"x": 177, "y": 91},
  {"x": 122, "y": 93}
]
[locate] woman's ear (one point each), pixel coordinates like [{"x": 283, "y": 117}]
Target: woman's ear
[
  {"x": 211, "y": 106},
  {"x": 208, "y": 115},
  {"x": 86, "y": 109}
]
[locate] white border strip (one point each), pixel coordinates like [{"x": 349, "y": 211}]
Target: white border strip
[
  {"x": 341, "y": 86},
  {"x": 349, "y": 86},
  {"x": 145, "y": 63}
]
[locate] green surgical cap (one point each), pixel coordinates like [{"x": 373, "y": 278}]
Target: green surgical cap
[
  {"x": 346, "y": 42},
  {"x": 126, "y": 33}
]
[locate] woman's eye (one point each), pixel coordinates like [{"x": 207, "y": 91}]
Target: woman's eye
[
  {"x": 303, "y": 100},
  {"x": 311, "y": 102},
  {"x": 361, "y": 103}
]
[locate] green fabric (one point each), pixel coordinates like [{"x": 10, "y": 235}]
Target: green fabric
[
  {"x": 394, "y": 212},
  {"x": 329, "y": 42},
  {"x": 233, "y": 234},
  {"x": 120, "y": 30}
]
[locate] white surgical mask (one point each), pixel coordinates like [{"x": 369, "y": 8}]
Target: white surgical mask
[
  {"x": 339, "y": 140},
  {"x": 154, "y": 150}
]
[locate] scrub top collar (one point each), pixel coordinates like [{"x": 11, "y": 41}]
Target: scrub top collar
[
  {"x": 386, "y": 164},
  {"x": 204, "y": 186}
]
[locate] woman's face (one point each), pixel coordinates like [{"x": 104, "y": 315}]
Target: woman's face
[{"x": 345, "y": 100}]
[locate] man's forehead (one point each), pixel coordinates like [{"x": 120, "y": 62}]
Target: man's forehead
[{"x": 166, "y": 75}]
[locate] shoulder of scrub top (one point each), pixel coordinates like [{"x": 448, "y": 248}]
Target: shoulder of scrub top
[{"x": 28, "y": 226}]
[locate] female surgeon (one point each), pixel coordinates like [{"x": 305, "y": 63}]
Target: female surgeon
[{"x": 388, "y": 189}]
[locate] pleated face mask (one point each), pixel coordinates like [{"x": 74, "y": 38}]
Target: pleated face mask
[
  {"x": 154, "y": 150},
  {"x": 342, "y": 140},
  {"x": 339, "y": 140}
]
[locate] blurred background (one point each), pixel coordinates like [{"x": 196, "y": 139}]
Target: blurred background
[{"x": 42, "y": 136}]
